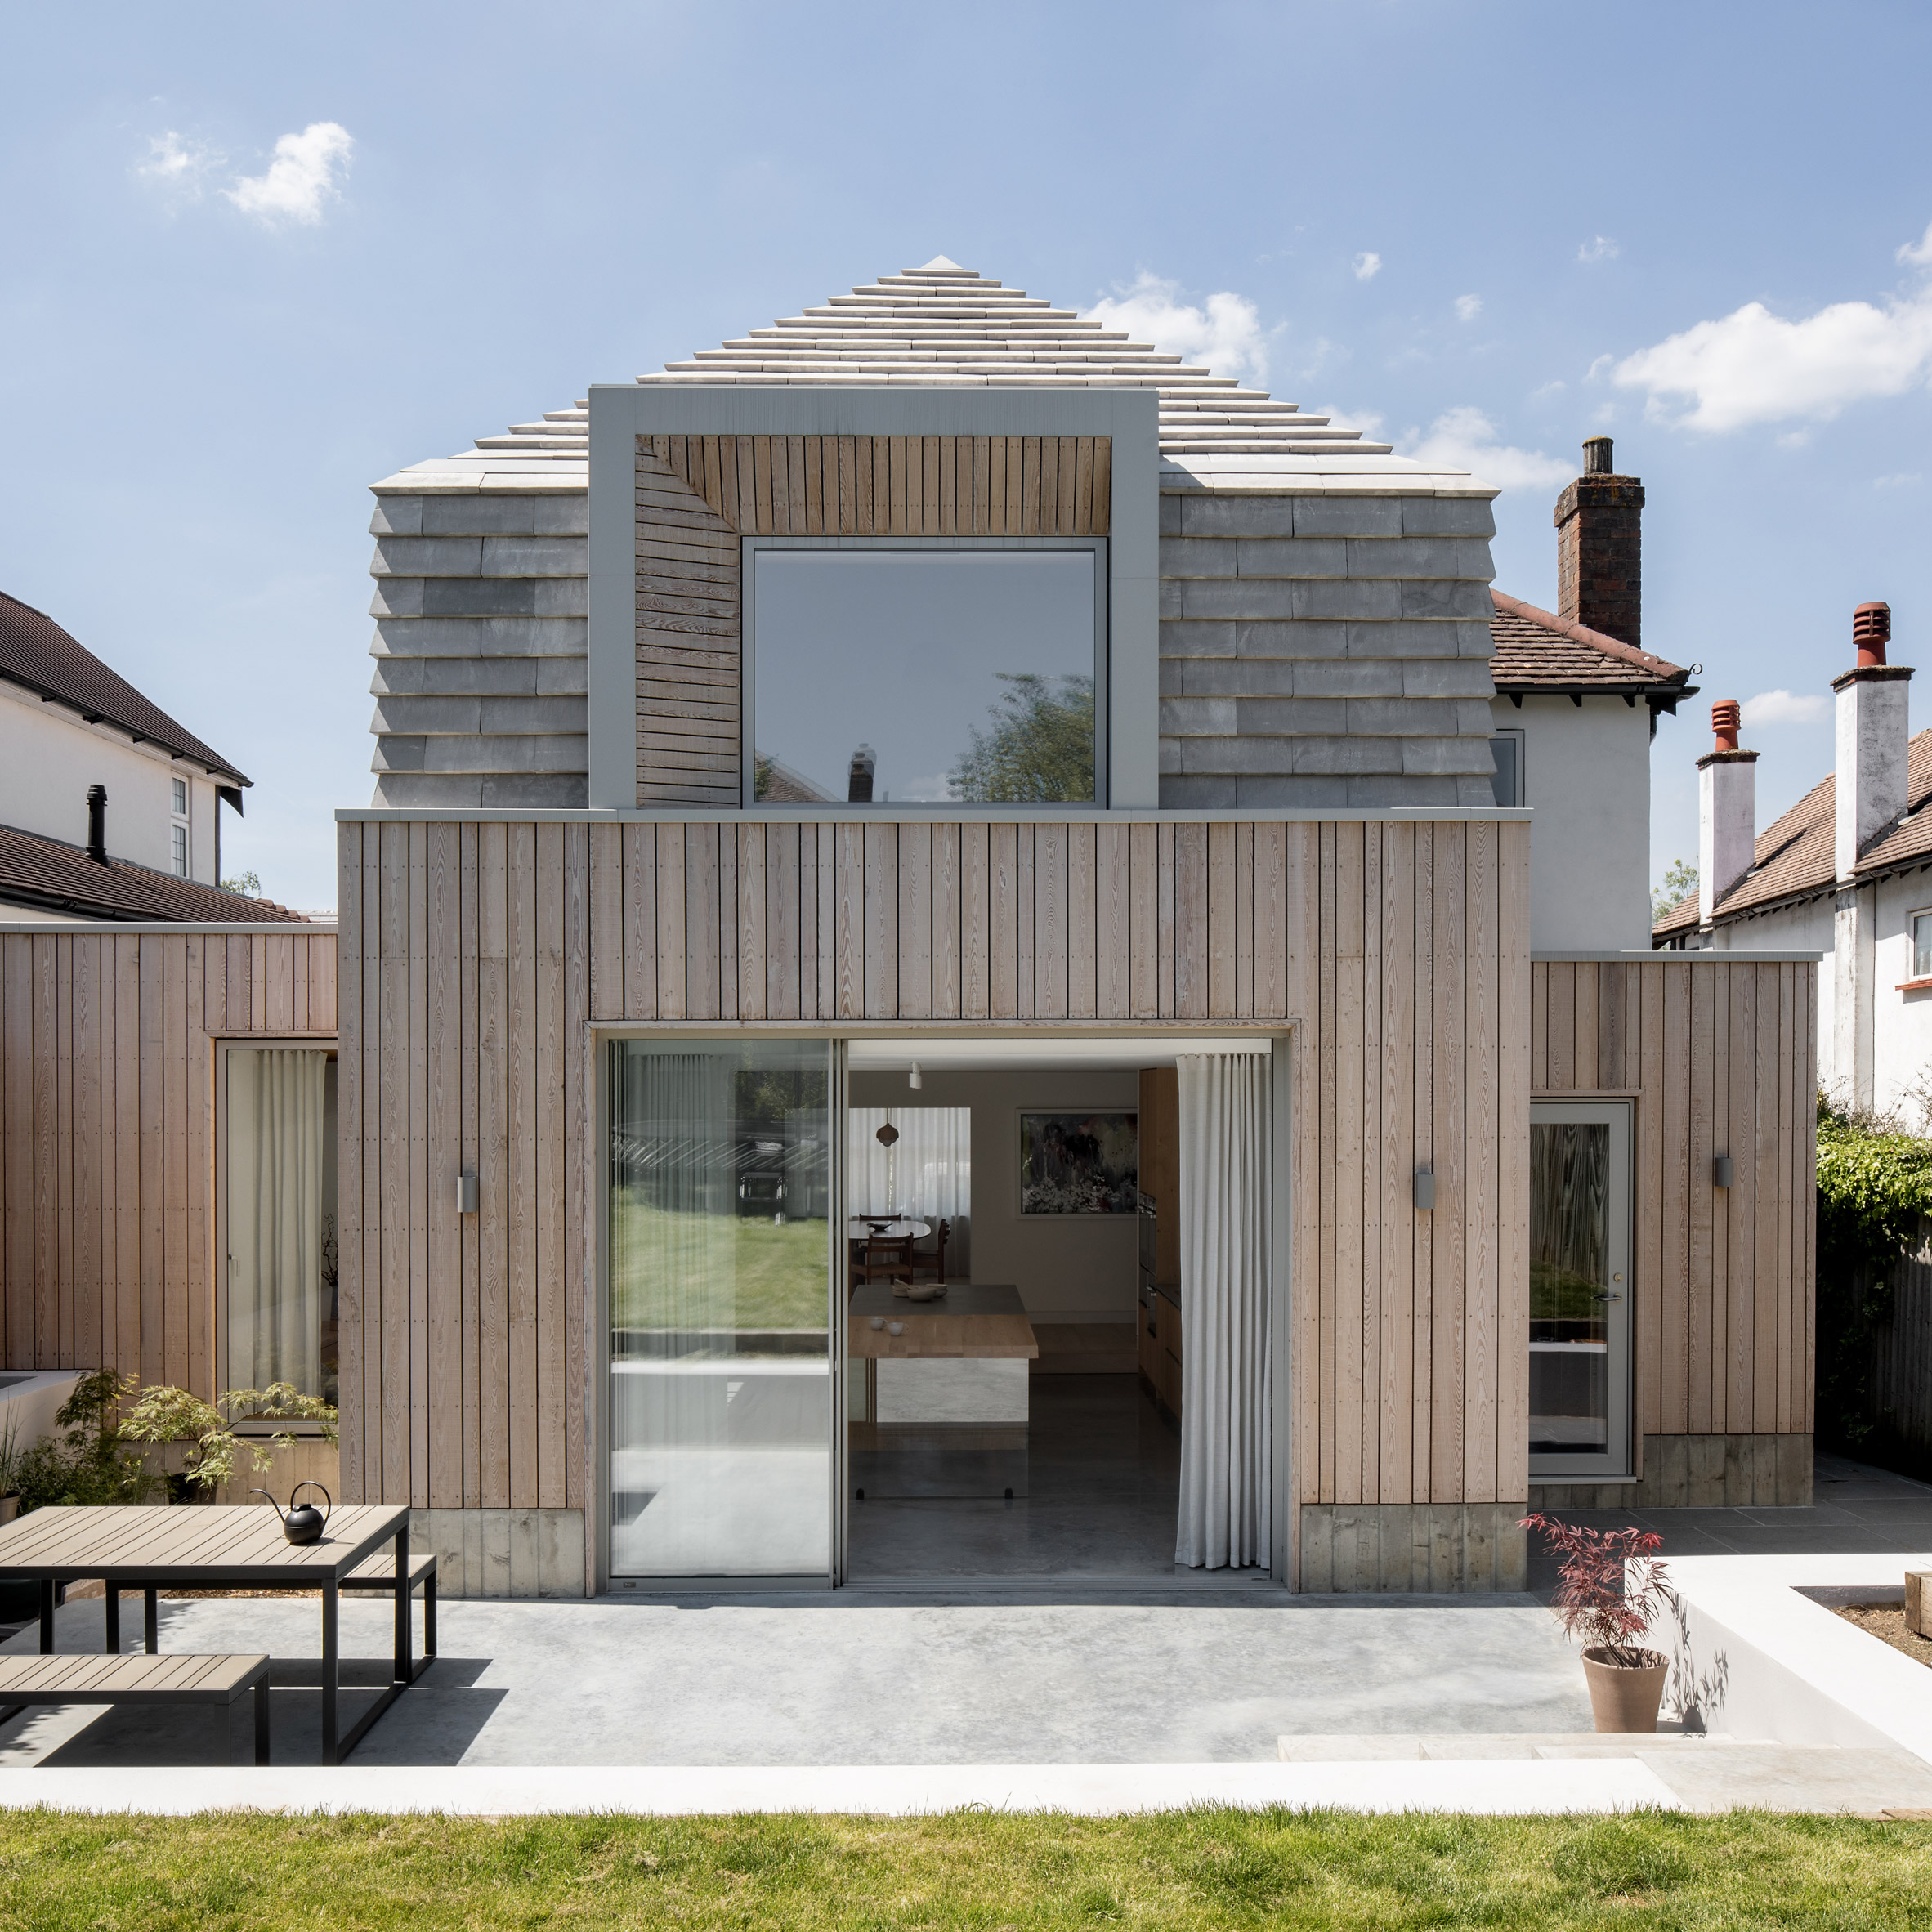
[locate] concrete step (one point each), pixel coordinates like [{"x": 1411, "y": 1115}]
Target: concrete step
[{"x": 1387, "y": 1747}]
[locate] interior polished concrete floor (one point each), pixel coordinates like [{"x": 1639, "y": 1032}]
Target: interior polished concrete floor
[{"x": 1095, "y": 1498}]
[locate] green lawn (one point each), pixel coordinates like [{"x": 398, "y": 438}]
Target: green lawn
[
  {"x": 677, "y": 1271},
  {"x": 1201, "y": 1868}
]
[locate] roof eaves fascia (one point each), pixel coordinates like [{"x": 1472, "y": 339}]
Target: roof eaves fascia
[{"x": 48, "y": 695}]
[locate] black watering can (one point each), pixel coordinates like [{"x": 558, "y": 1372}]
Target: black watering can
[{"x": 302, "y": 1522}]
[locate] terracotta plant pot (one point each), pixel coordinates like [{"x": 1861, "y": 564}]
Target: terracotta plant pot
[{"x": 1623, "y": 1699}]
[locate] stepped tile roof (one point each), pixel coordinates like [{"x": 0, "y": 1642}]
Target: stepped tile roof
[
  {"x": 1796, "y": 857},
  {"x": 35, "y": 652},
  {"x": 944, "y": 326},
  {"x": 1536, "y": 650},
  {"x": 53, "y": 876}
]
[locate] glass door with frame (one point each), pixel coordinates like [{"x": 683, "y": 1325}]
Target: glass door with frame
[
  {"x": 1580, "y": 1289},
  {"x": 721, "y": 1269}
]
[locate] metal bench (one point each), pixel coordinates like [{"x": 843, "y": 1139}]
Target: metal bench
[
  {"x": 139, "y": 1680},
  {"x": 377, "y": 1577}
]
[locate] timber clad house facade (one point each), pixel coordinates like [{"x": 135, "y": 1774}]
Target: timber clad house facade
[{"x": 937, "y": 714}]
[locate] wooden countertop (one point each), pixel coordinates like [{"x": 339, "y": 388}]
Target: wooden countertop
[{"x": 973, "y": 1319}]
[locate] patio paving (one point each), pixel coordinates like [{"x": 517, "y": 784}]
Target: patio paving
[
  {"x": 1855, "y": 1509},
  {"x": 862, "y": 1679}
]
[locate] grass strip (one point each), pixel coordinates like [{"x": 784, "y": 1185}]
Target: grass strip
[{"x": 991, "y": 1872}]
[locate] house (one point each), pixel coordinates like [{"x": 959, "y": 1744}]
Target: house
[
  {"x": 1844, "y": 873},
  {"x": 936, "y": 768},
  {"x": 109, "y": 809}
]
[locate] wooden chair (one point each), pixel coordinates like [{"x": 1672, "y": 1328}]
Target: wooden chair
[
  {"x": 931, "y": 1260},
  {"x": 883, "y": 1258}
]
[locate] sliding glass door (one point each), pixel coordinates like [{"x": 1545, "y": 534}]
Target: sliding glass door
[
  {"x": 720, "y": 1404},
  {"x": 1580, "y": 1289}
]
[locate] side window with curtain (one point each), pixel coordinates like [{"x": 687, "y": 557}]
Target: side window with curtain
[{"x": 281, "y": 1316}]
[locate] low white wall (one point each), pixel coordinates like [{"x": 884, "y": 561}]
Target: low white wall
[
  {"x": 1753, "y": 1656},
  {"x": 28, "y": 1408}
]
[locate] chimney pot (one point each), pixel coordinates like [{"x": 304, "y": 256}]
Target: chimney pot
[
  {"x": 1726, "y": 715},
  {"x": 1598, "y": 457},
  {"x": 1871, "y": 631},
  {"x": 1727, "y": 811},
  {"x": 97, "y": 823}
]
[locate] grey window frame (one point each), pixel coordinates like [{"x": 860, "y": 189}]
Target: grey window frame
[
  {"x": 1911, "y": 937},
  {"x": 1521, "y": 741},
  {"x": 749, "y": 547}
]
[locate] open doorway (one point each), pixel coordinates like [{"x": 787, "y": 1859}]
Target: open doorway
[{"x": 1015, "y": 1390}]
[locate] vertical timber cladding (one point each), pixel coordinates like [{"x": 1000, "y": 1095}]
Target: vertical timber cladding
[
  {"x": 696, "y": 496},
  {"x": 1718, "y": 1053},
  {"x": 481, "y": 957},
  {"x": 107, "y": 1132}
]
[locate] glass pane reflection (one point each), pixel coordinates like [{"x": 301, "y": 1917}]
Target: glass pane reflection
[
  {"x": 720, "y": 1371},
  {"x": 882, "y": 676},
  {"x": 1569, "y": 1368}
]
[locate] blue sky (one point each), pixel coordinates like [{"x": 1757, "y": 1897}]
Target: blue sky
[{"x": 1490, "y": 229}]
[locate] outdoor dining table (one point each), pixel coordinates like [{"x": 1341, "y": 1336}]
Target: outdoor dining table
[{"x": 213, "y": 1546}]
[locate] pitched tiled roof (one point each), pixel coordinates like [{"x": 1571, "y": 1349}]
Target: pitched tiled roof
[
  {"x": 1796, "y": 857},
  {"x": 34, "y": 651},
  {"x": 1536, "y": 650},
  {"x": 52, "y": 876},
  {"x": 944, "y": 326}
]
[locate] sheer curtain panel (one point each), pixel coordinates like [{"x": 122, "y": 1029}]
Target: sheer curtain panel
[
  {"x": 928, "y": 1172},
  {"x": 277, "y": 1108},
  {"x": 1226, "y": 1149}
]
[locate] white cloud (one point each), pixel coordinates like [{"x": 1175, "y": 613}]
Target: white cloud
[
  {"x": 1601, "y": 366},
  {"x": 1899, "y": 480},
  {"x": 1365, "y": 420},
  {"x": 176, "y": 167},
  {"x": 1469, "y": 307},
  {"x": 1548, "y": 390},
  {"x": 1224, "y": 333},
  {"x": 1784, "y": 707},
  {"x": 303, "y": 176},
  {"x": 1751, "y": 366},
  {"x": 1602, "y": 248},
  {"x": 1465, "y": 439},
  {"x": 1367, "y": 265},
  {"x": 1918, "y": 253}
]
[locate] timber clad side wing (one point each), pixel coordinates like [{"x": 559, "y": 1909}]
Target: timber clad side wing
[
  {"x": 108, "y": 1132},
  {"x": 1395, "y": 953},
  {"x": 1718, "y": 1055}
]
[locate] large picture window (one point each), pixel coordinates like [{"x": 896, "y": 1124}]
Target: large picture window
[{"x": 905, "y": 676}]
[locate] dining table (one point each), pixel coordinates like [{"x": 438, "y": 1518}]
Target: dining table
[{"x": 219, "y": 1546}]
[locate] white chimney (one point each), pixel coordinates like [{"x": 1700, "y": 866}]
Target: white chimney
[
  {"x": 1727, "y": 811},
  {"x": 1873, "y": 734}
]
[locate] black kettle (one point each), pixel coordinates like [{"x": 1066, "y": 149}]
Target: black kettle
[{"x": 302, "y": 1522}]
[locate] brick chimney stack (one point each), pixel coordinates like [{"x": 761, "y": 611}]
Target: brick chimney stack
[
  {"x": 1873, "y": 738},
  {"x": 1599, "y": 548},
  {"x": 1727, "y": 811}
]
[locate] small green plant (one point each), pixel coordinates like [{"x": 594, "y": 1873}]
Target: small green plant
[
  {"x": 10, "y": 1461},
  {"x": 88, "y": 1466},
  {"x": 169, "y": 1415}
]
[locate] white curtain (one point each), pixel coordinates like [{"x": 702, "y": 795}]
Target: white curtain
[
  {"x": 1227, "y": 1392},
  {"x": 928, "y": 1172},
  {"x": 277, "y": 1104}
]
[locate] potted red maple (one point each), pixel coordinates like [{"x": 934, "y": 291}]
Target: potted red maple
[{"x": 1610, "y": 1586}]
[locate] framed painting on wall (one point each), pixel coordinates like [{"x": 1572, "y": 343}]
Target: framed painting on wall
[{"x": 1079, "y": 1164}]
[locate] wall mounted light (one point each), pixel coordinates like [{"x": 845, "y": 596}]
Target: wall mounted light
[
  {"x": 915, "y": 1079},
  {"x": 467, "y": 1191},
  {"x": 1425, "y": 1190},
  {"x": 1720, "y": 1171}
]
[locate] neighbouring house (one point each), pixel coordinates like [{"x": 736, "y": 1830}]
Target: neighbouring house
[
  {"x": 935, "y": 770},
  {"x": 109, "y": 809},
  {"x": 1847, "y": 872}
]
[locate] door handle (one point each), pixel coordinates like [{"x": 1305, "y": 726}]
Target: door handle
[{"x": 1609, "y": 1297}]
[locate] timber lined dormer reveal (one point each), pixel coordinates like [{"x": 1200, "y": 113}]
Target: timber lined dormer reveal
[{"x": 698, "y": 496}]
